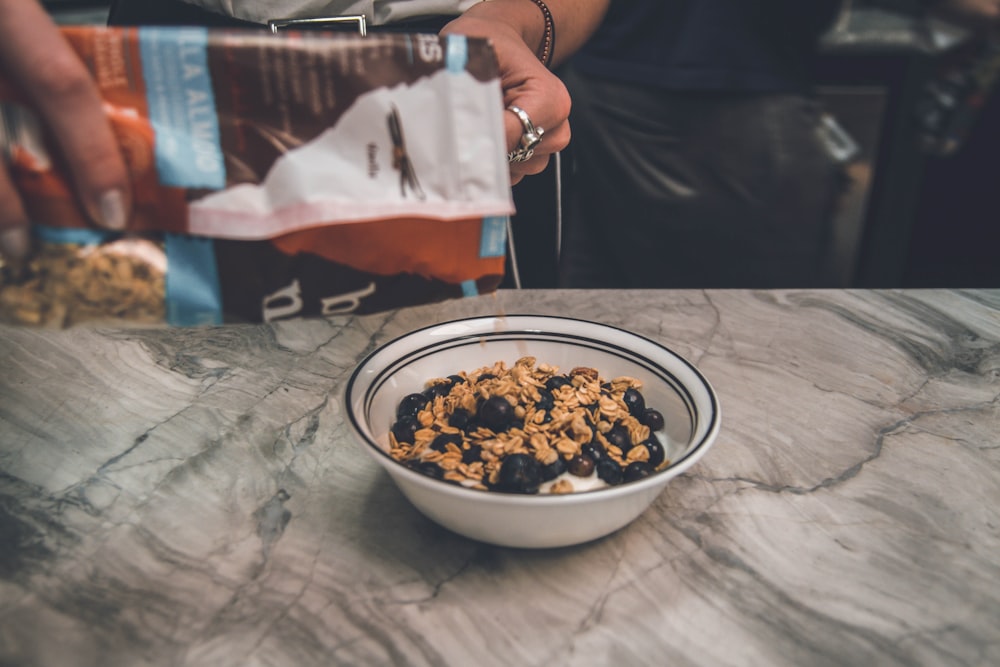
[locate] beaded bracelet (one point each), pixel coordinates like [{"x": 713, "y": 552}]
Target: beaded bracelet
[{"x": 548, "y": 45}]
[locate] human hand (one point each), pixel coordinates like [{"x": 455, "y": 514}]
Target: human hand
[
  {"x": 35, "y": 56},
  {"x": 527, "y": 84}
]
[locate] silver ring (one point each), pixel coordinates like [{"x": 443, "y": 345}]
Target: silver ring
[
  {"x": 520, "y": 155},
  {"x": 530, "y": 138}
]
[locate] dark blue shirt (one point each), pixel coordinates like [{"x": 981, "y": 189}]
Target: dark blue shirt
[{"x": 730, "y": 45}]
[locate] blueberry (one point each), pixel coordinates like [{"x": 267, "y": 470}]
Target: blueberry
[
  {"x": 581, "y": 465},
  {"x": 656, "y": 452},
  {"x": 440, "y": 443},
  {"x": 619, "y": 437},
  {"x": 428, "y": 468},
  {"x": 554, "y": 469},
  {"x": 637, "y": 470},
  {"x": 609, "y": 471},
  {"x": 472, "y": 454},
  {"x": 411, "y": 405},
  {"x": 486, "y": 376},
  {"x": 594, "y": 449},
  {"x": 405, "y": 428},
  {"x": 557, "y": 381},
  {"x": 546, "y": 401},
  {"x": 471, "y": 425},
  {"x": 520, "y": 473},
  {"x": 496, "y": 413},
  {"x": 652, "y": 418},
  {"x": 634, "y": 401},
  {"x": 456, "y": 379},
  {"x": 459, "y": 418},
  {"x": 439, "y": 389}
]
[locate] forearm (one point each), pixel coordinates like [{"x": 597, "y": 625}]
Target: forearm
[{"x": 575, "y": 21}]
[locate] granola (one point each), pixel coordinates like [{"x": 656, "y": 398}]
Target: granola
[
  {"x": 527, "y": 428},
  {"x": 67, "y": 284}
]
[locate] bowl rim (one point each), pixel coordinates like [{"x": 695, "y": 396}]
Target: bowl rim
[{"x": 694, "y": 451}]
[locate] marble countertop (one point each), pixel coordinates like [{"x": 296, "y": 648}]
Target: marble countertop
[{"x": 192, "y": 497}]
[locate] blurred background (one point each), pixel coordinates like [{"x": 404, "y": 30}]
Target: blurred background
[{"x": 78, "y": 11}]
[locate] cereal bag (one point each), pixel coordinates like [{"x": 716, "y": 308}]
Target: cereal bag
[{"x": 274, "y": 176}]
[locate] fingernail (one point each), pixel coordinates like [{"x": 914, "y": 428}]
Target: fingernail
[
  {"x": 112, "y": 205},
  {"x": 15, "y": 243}
]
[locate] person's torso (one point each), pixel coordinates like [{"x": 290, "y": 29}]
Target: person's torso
[{"x": 732, "y": 45}]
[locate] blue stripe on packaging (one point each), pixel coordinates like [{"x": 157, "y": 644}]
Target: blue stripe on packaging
[
  {"x": 469, "y": 288},
  {"x": 493, "y": 240},
  {"x": 194, "y": 297},
  {"x": 73, "y": 235},
  {"x": 456, "y": 53},
  {"x": 182, "y": 107}
]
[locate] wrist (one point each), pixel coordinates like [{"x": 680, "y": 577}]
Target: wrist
[{"x": 531, "y": 20}]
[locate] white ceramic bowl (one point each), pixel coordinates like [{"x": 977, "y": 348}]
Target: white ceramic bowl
[{"x": 402, "y": 366}]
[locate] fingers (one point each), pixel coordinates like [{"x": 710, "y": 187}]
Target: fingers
[
  {"x": 14, "y": 236},
  {"x": 545, "y": 99},
  {"x": 553, "y": 141},
  {"x": 535, "y": 165},
  {"x": 36, "y": 56}
]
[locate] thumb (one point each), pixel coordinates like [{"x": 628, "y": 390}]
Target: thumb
[{"x": 36, "y": 55}]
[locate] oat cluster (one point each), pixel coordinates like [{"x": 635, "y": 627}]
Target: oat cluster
[
  {"x": 67, "y": 284},
  {"x": 464, "y": 428}
]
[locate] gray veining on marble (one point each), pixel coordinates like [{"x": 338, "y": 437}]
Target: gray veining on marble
[{"x": 191, "y": 497}]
